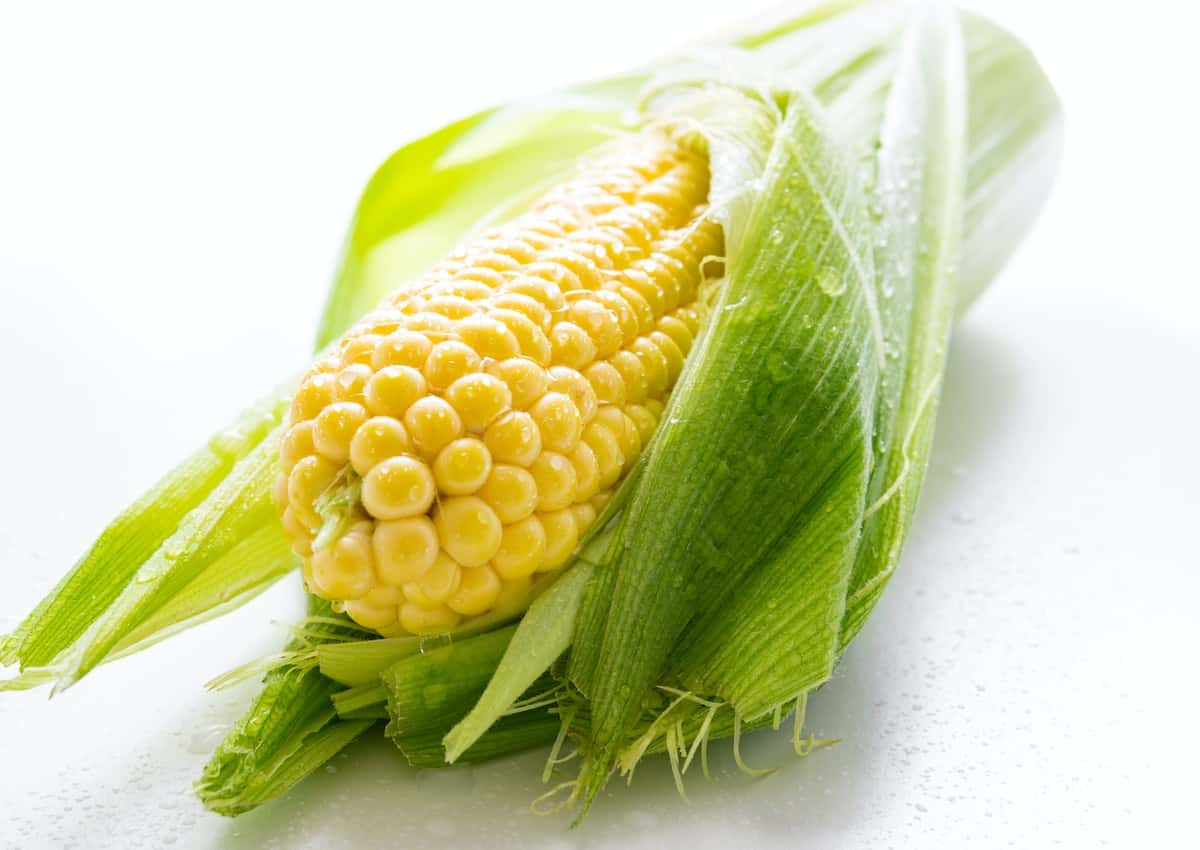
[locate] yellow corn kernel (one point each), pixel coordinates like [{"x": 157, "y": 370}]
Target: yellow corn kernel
[
  {"x": 468, "y": 528},
  {"x": 312, "y": 397},
  {"x": 556, "y": 481},
  {"x": 511, "y": 492},
  {"x": 334, "y": 427},
  {"x": 398, "y": 487},
  {"x": 462, "y": 467},
  {"x": 671, "y": 353},
  {"x": 344, "y": 570},
  {"x": 349, "y": 383},
  {"x": 532, "y": 309},
  {"x": 432, "y": 423},
  {"x": 633, "y": 373},
  {"x": 371, "y": 330},
  {"x": 448, "y": 361},
  {"x": 608, "y": 386},
  {"x": 479, "y": 398},
  {"x": 514, "y": 594},
  {"x": 623, "y": 428},
  {"x": 402, "y": 348},
  {"x": 309, "y": 478},
  {"x": 514, "y": 438},
  {"x": 427, "y": 621},
  {"x": 378, "y": 609},
  {"x": 585, "y": 515},
  {"x": 655, "y": 364},
  {"x": 393, "y": 389},
  {"x": 478, "y": 591},
  {"x": 644, "y": 316},
  {"x": 643, "y": 420},
  {"x": 404, "y": 548},
  {"x": 599, "y": 323},
  {"x": 690, "y": 317},
  {"x": 300, "y": 537},
  {"x": 297, "y": 443},
  {"x": 436, "y": 584},
  {"x": 451, "y": 306},
  {"x": 376, "y": 440},
  {"x": 526, "y": 380},
  {"x": 562, "y": 535},
  {"x": 522, "y": 548},
  {"x": 531, "y": 341},
  {"x": 622, "y": 311},
  {"x": 279, "y": 493},
  {"x": 558, "y": 421},
  {"x": 647, "y": 287},
  {"x": 435, "y": 324},
  {"x": 573, "y": 384},
  {"x": 677, "y": 331},
  {"x": 610, "y": 460},
  {"x": 587, "y": 471},
  {"x": 571, "y": 346},
  {"x": 542, "y": 291},
  {"x": 359, "y": 349},
  {"x": 489, "y": 337}
]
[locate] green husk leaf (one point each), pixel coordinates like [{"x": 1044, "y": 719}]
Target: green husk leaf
[
  {"x": 352, "y": 702},
  {"x": 917, "y": 207},
  {"x": 511, "y": 734},
  {"x": 359, "y": 663},
  {"x": 921, "y": 172},
  {"x": 240, "y": 504},
  {"x": 427, "y": 694},
  {"x": 1015, "y": 129},
  {"x": 542, "y": 636},
  {"x": 310, "y": 752},
  {"x": 255, "y": 563},
  {"x": 277, "y": 742},
  {"x": 423, "y": 690},
  {"x": 84, "y": 595}
]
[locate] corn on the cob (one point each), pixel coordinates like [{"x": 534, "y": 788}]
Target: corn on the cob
[
  {"x": 490, "y": 408},
  {"x": 437, "y": 451}
]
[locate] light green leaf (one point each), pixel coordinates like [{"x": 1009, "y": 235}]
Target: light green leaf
[
  {"x": 543, "y": 635},
  {"x": 781, "y": 633},
  {"x": 273, "y": 745},
  {"x": 142, "y": 532},
  {"x": 246, "y": 570},
  {"x": 240, "y": 504}
]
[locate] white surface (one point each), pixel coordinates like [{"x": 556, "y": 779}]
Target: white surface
[{"x": 173, "y": 191}]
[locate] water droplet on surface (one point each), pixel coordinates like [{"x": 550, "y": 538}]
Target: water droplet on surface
[
  {"x": 206, "y": 739},
  {"x": 831, "y": 281}
]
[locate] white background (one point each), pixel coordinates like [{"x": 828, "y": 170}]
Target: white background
[{"x": 174, "y": 186}]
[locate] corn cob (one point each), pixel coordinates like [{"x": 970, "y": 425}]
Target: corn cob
[{"x": 479, "y": 418}]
